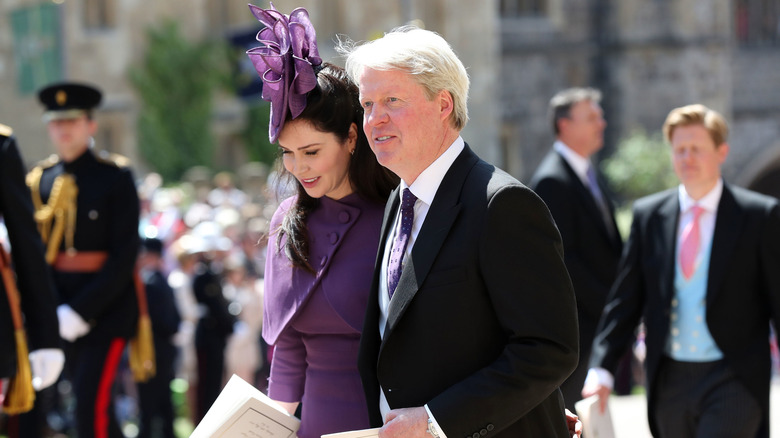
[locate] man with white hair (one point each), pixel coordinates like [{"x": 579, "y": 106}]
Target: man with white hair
[{"x": 471, "y": 324}]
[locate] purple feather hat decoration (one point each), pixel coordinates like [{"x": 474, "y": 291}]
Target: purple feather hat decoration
[{"x": 286, "y": 62}]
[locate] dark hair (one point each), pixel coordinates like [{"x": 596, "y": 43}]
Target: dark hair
[
  {"x": 561, "y": 103},
  {"x": 332, "y": 107}
]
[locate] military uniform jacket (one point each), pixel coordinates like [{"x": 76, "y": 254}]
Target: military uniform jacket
[
  {"x": 34, "y": 282},
  {"x": 106, "y": 220}
]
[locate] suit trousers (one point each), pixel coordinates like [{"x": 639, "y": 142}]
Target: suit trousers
[
  {"x": 92, "y": 366},
  {"x": 703, "y": 399}
]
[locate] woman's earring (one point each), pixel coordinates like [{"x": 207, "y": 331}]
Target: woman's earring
[{"x": 352, "y": 152}]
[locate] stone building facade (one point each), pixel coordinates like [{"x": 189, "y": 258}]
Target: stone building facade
[
  {"x": 646, "y": 56},
  {"x": 98, "y": 40}
]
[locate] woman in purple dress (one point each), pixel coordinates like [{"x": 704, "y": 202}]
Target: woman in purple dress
[{"x": 324, "y": 239}]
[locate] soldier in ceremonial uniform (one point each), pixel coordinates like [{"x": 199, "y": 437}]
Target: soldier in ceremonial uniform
[
  {"x": 36, "y": 290},
  {"x": 87, "y": 210}
]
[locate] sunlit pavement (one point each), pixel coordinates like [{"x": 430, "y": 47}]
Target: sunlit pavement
[{"x": 629, "y": 414}]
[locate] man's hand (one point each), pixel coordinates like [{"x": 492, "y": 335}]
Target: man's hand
[
  {"x": 406, "y": 423},
  {"x": 574, "y": 424},
  {"x": 601, "y": 390},
  {"x": 46, "y": 365},
  {"x": 72, "y": 325},
  {"x": 598, "y": 382}
]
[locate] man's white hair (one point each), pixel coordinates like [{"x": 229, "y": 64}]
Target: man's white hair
[{"x": 423, "y": 54}]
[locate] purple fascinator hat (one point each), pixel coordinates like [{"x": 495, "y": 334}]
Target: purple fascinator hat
[{"x": 287, "y": 63}]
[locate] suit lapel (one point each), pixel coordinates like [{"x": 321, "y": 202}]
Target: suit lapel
[
  {"x": 370, "y": 340},
  {"x": 668, "y": 216},
  {"x": 438, "y": 222},
  {"x": 590, "y": 201},
  {"x": 614, "y": 235},
  {"x": 391, "y": 210},
  {"x": 728, "y": 226}
]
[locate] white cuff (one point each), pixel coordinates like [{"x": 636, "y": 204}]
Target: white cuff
[
  {"x": 435, "y": 424},
  {"x": 599, "y": 376}
]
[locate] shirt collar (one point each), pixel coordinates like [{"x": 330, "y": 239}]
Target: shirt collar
[
  {"x": 708, "y": 202},
  {"x": 577, "y": 162},
  {"x": 427, "y": 183}
]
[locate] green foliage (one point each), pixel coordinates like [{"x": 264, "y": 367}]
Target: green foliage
[
  {"x": 255, "y": 134},
  {"x": 176, "y": 82},
  {"x": 641, "y": 165}
]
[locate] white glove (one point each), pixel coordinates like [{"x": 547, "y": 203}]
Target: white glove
[
  {"x": 72, "y": 325},
  {"x": 46, "y": 365}
]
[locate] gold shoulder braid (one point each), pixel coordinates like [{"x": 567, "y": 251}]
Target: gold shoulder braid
[
  {"x": 58, "y": 216},
  {"x": 113, "y": 159},
  {"x": 21, "y": 394},
  {"x": 6, "y": 130}
]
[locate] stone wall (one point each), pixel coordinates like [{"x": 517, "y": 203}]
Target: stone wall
[{"x": 104, "y": 56}]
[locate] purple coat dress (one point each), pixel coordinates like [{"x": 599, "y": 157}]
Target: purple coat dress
[{"x": 314, "y": 320}]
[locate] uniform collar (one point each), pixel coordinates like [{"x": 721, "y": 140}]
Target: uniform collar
[{"x": 87, "y": 157}]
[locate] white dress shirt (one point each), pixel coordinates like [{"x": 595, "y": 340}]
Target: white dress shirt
[
  {"x": 424, "y": 187},
  {"x": 709, "y": 203},
  {"x": 577, "y": 162}
]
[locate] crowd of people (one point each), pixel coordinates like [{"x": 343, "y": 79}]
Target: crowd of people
[
  {"x": 403, "y": 283},
  {"x": 210, "y": 237}
]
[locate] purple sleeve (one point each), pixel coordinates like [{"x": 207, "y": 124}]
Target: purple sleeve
[{"x": 288, "y": 367}]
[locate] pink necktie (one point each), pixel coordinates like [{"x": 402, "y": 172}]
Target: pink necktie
[{"x": 691, "y": 240}]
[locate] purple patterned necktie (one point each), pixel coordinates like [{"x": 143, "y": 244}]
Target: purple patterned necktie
[{"x": 401, "y": 240}]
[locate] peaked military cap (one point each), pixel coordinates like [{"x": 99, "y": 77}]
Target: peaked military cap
[{"x": 68, "y": 100}]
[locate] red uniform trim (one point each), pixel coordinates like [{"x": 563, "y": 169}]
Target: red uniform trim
[{"x": 103, "y": 399}]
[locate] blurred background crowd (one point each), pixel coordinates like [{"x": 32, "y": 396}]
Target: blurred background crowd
[{"x": 204, "y": 164}]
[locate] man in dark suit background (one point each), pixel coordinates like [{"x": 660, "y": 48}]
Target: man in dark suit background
[
  {"x": 154, "y": 395},
  {"x": 33, "y": 278},
  {"x": 701, "y": 270},
  {"x": 471, "y": 323},
  {"x": 568, "y": 182}
]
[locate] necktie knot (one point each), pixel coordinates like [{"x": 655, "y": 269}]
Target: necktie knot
[
  {"x": 697, "y": 211},
  {"x": 407, "y": 200},
  {"x": 591, "y": 173},
  {"x": 593, "y": 184}
]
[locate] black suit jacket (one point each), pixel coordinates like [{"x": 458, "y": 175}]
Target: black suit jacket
[
  {"x": 33, "y": 277},
  {"x": 165, "y": 319},
  {"x": 482, "y": 326},
  {"x": 590, "y": 250},
  {"x": 743, "y": 287}
]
